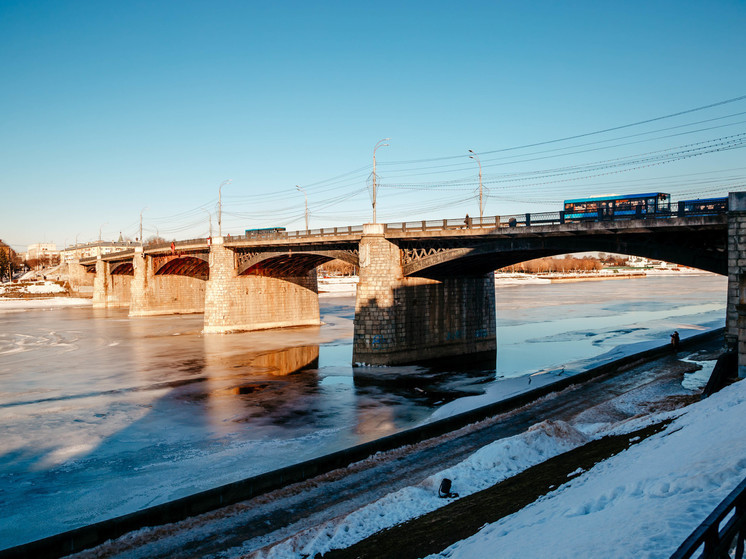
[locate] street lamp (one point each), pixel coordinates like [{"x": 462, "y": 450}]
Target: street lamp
[
  {"x": 141, "y": 211},
  {"x": 378, "y": 145},
  {"x": 99, "y": 230},
  {"x": 220, "y": 206},
  {"x": 306, "y": 197},
  {"x": 475, "y": 157}
]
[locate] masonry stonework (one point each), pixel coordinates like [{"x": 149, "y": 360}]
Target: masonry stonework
[
  {"x": 101, "y": 284},
  {"x": 153, "y": 294},
  {"x": 736, "y": 311},
  {"x": 81, "y": 281},
  {"x": 250, "y": 302},
  {"x": 400, "y": 319}
]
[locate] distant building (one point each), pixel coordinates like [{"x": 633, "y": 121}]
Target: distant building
[
  {"x": 41, "y": 251},
  {"x": 87, "y": 250},
  {"x": 640, "y": 262}
]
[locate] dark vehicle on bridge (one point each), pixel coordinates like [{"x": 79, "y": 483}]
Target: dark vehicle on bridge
[
  {"x": 704, "y": 206},
  {"x": 264, "y": 232},
  {"x": 610, "y": 207}
]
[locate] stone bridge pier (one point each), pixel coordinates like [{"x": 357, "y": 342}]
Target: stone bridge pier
[
  {"x": 81, "y": 281},
  {"x": 167, "y": 285},
  {"x": 256, "y": 298},
  {"x": 112, "y": 284},
  {"x": 736, "y": 313},
  {"x": 402, "y": 319}
]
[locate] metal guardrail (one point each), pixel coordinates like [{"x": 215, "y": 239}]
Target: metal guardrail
[{"x": 722, "y": 533}]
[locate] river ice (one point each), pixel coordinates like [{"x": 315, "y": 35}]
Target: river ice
[{"x": 103, "y": 415}]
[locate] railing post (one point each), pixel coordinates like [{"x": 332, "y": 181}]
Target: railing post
[
  {"x": 445, "y": 224},
  {"x": 681, "y": 209},
  {"x": 562, "y": 217},
  {"x": 711, "y": 540},
  {"x": 497, "y": 221},
  {"x": 424, "y": 227},
  {"x": 528, "y": 220}
]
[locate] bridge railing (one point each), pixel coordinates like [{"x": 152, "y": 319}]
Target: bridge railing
[
  {"x": 677, "y": 209},
  {"x": 721, "y": 533}
]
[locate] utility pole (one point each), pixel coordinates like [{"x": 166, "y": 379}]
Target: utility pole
[
  {"x": 475, "y": 157},
  {"x": 220, "y": 206},
  {"x": 141, "y": 211},
  {"x": 306, "y": 197},
  {"x": 378, "y": 145}
]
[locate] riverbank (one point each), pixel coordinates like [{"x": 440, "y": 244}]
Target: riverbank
[
  {"x": 368, "y": 498},
  {"x": 300, "y": 473}
]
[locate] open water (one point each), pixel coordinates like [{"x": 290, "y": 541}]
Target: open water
[{"x": 102, "y": 415}]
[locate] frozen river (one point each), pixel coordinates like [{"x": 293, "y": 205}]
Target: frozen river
[{"x": 102, "y": 414}]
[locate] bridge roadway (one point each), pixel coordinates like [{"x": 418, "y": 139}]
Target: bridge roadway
[
  {"x": 426, "y": 288},
  {"x": 262, "y": 522}
]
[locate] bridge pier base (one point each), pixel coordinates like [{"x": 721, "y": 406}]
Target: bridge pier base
[
  {"x": 407, "y": 319},
  {"x": 100, "y": 284},
  {"x": 255, "y": 302},
  {"x": 736, "y": 313},
  {"x": 110, "y": 290},
  {"x": 153, "y": 294},
  {"x": 81, "y": 282}
]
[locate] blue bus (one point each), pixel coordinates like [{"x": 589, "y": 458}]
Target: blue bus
[
  {"x": 265, "y": 232},
  {"x": 609, "y": 207},
  {"x": 704, "y": 206}
]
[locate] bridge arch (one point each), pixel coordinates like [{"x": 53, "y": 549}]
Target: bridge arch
[
  {"x": 122, "y": 269},
  {"x": 702, "y": 249},
  {"x": 195, "y": 266},
  {"x": 290, "y": 264}
]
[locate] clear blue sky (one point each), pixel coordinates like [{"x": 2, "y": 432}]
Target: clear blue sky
[{"x": 112, "y": 107}]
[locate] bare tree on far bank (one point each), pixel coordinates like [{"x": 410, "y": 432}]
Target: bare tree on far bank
[
  {"x": 565, "y": 264},
  {"x": 337, "y": 268}
]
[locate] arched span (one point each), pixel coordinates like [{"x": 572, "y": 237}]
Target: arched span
[
  {"x": 195, "y": 266},
  {"x": 702, "y": 248},
  {"x": 122, "y": 269},
  {"x": 290, "y": 264}
]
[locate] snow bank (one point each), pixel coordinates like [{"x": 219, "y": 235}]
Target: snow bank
[
  {"x": 486, "y": 467},
  {"x": 32, "y": 287},
  {"x": 15, "y": 305},
  {"x": 641, "y": 503},
  {"x": 338, "y": 285}
]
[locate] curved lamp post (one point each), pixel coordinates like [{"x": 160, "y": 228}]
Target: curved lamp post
[
  {"x": 475, "y": 157},
  {"x": 306, "y": 197},
  {"x": 220, "y": 206},
  {"x": 378, "y": 145}
]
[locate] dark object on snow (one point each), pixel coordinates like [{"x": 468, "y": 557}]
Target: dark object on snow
[
  {"x": 725, "y": 368},
  {"x": 675, "y": 339},
  {"x": 445, "y": 489}
]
